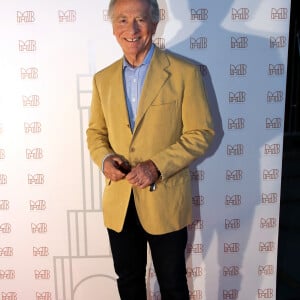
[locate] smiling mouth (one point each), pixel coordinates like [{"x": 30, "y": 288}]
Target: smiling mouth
[{"x": 132, "y": 40}]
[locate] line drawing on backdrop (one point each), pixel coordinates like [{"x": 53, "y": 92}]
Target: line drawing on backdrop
[{"x": 85, "y": 251}]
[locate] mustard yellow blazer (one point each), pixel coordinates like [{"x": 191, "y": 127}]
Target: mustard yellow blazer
[{"x": 173, "y": 127}]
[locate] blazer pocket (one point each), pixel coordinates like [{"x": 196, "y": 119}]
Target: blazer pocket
[
  {"x": 160, "y": 102},
  {"x": 163, "y": 114}
]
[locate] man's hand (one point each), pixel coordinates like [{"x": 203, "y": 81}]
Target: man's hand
[
  {"x": 143, "y": 174},
  {"x": 115, "y": 168}
]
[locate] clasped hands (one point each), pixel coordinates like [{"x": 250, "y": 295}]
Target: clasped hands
[{"x": 142, "y": 175}]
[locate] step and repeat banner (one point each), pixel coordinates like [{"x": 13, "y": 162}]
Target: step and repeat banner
[{"x": 53, "y": 245}]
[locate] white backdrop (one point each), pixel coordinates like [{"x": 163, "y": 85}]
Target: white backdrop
[{"x": 52, "y": 241}]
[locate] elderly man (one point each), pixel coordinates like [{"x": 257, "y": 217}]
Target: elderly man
[{"x": 149, "y": 120}]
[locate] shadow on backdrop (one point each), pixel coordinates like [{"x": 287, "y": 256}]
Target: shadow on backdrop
[{"x": 218, "y": 85}]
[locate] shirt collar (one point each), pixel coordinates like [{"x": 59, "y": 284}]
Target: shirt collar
[{"x": 146, "y": 60}]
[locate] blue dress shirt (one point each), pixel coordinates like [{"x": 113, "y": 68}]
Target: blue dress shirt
[{"x": 133, "y": 79}]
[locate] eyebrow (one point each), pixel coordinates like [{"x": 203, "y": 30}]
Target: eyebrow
[{"x": 144, "y": 16}]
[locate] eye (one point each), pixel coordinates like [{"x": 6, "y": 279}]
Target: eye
[
  {"x": 121, "y": 21},
  {"x": 140, "y": 20}
]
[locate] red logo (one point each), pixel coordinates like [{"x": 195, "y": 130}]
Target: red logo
[
  {"x": 231, "y": 271},
  {"x": 37, "y": 205},
  {"x": 270, "y": 198},
  {"x": 195, "y": 225},
  {"x": 2, "y": 154},
  {"x": 194, "y": 272},
  {"x": 240, "y": 14},
  {"x": 239, "y": 43},
  {"x": 40, "y": 251},
  {"x": 162, "y": 14},
  {"x": 278, "y": 42},
  {"x": 232, "y": 224},
  {"x": 25, "y": 16},
  {"x": 9, "y": 296},
  {"x": 33, "y": 100},
  {"x": 233, "y": 200},
  {"x": 234, "y": 175},
  {"x": 198, "y": 200},
  {"x": 39, "y": 228},
  {"x": 35, "y": 178},
  {"x": 237, "y": 97},
  {"x": 230, "y": 294},
  {"x": 160, "y": 43},
  {"x": 203, "y": 70},
  {"x": 231, "y": 247},
  {"x": 279, "y": 13},
  {"x": 198, "y": 43},
  {"x": 266, "y": 247},
  {"x": 7, "y": 274},
  {"x": 197, "y": 175},
  {"x": 3, "y": 179},
  {"x": 274, "y": 123},
  {"x": 200, "y": 14},
  {"x": 196, "y": 295},
  {"x": 34, "y": 127},
  {"x": 276, "y": 70},
  {"x": 275, "y": 97},
  {"x": 235, "y": 150},
  {"x": 27, "y": 46},
  {"x": 5, "y": 228},
  {"x": 30, "y": 73},
  {"x": 265, "y": 293},
  {"x": 268, "y": 223},
  {"x": 36, "y": 153},
  {"x": 238, "y": 123},
  {"x": 267, "y": 270},
  {"x": 194, "y": 248},
  {"x": 7, "y": 251},
  {"x": 43, "y": 296},
  {"x": 238, "y": 70},
  {"x": 42, "y": 274},
  {"x": 4, "y": 205},
  {"x": 272, "y": 174},
  {"x": 105, "y": 15},
  {"x": 273, "y": 149},
  {"x": 68, "y": 16}
]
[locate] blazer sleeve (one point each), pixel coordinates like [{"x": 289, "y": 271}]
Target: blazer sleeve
[{"x": 97, "y": 133}]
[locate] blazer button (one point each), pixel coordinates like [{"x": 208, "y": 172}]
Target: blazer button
[{"x": 132, "y": 149}]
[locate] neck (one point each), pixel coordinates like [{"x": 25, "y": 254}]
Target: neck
[
  {"x": 134, "y": 61},
  {"x": 137, "y": 60}
]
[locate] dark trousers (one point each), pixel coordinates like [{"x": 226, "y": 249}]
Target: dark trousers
[{"x": 129, "y": 250}]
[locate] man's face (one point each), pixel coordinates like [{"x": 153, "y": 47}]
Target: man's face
[{"x": 133, "y": 28}]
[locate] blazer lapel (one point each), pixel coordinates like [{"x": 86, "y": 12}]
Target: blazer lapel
[
  {"x": 156, "y": 77},
  {"x": 118, "y": 95}
]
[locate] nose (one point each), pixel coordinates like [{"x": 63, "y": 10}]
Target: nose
[{"x": 133, "y": 27}]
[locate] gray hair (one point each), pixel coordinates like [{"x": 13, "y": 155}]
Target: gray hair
[{"x": 154, "y": 9}]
